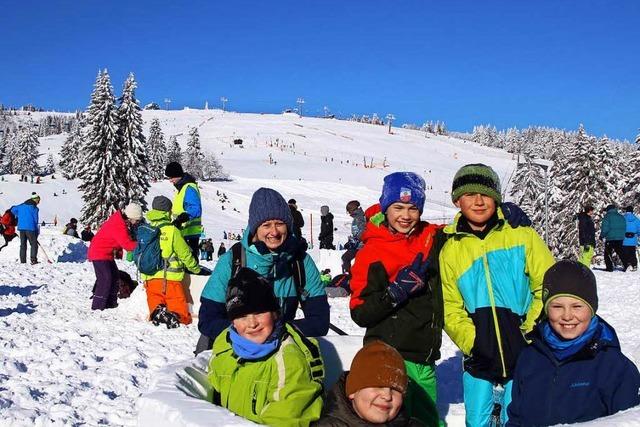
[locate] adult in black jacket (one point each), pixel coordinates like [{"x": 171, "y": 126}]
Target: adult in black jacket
[
  {"x": 326, "y": 228},
  {"x": 87, "y": 234},
  {"x": 298, "y": 220},
  {"x": 586, "y": 235}
]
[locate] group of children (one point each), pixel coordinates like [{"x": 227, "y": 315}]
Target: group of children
[{"x": 527, "y": 327}]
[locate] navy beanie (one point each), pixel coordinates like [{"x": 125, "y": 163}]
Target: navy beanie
[
  {"x": 267, "y": 204},
  {"x": 403, "y": 187},
  {"x": 173, "y": 170}
]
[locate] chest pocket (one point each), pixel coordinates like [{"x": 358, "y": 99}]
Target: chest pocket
[{"x": 258, "y": 397}]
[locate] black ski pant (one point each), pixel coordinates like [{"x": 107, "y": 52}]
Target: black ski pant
[
  {"x": 347, "y": 257},
  {"x": 193, "y": 242},
  {"x": 613, "y": 246},
  {"x": 327, "y": 243},
  {"x": 32, "y": 237},
  {"x": 630, "y": 258}
]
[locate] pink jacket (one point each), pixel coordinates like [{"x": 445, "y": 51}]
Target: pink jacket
[{"x": 112, "y": 235}]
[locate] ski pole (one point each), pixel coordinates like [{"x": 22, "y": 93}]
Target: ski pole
[
  {"x": 45, "y": 253},
  {"x": 337, "y": 330}
]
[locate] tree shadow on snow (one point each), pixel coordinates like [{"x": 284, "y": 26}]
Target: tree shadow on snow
[
  {"x": 449, "y": 375},
  {"x": 75, "y": 252},
  {"x": 23, "y": 291},
  {"x": 20, "y": 309}
]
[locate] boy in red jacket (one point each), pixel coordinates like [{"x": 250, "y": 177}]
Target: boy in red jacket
[
  {"x": 396, "y": 291},
  {"x": 112, "y": 235}
]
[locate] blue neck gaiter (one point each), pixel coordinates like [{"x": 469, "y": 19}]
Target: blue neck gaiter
[
  {"x": 249, "y": 350},
  {"x": 563, "y": 349}
]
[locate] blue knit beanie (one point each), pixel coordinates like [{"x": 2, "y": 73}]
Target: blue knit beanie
[
  {"x": 403, "y": 187},
  {"x": 267, "y": 204}
]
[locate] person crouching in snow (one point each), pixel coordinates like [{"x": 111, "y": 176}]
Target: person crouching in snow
[
  {"x": 574, "y": 371},
  {"x": 371, "y": 392},
  {"x": 165, "y": 295},
  {"x": 113, "y": 235},
  {"x": 259, "y": 368}
]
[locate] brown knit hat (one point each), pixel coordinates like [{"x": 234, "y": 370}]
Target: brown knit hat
[{"x": 377, "y": 365}]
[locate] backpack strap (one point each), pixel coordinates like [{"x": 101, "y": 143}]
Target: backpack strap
[{"x": 311, "y": 350}]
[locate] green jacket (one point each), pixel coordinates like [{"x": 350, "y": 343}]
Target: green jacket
[
  {"x": 174, "y": 249},
  {"x": 277, "y": 390},
  {"x": 492, "y": 290},
  {"x": 613, "y": 226}
]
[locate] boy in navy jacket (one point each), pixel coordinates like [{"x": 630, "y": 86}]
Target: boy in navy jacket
[{"x": 574, "y": 371}]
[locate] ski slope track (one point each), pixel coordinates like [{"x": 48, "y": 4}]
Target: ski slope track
[{"x": 63, "y": 364}]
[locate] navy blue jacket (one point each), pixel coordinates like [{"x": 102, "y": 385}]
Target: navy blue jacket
[{"x": 597, "y": 381}]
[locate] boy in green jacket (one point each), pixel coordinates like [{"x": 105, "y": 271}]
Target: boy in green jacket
[{"x": 262, "y": 368}]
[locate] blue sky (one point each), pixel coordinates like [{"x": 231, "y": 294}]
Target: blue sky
[{"x": 508, "y": 63}]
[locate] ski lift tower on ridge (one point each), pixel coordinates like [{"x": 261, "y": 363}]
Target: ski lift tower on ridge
[{"x": 300, "y": 102}]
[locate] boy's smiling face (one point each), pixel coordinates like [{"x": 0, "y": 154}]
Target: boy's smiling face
[
  {"x": 402, "y": 216},
  {"x": 477, "y": 209},
  {"x": 377, "y": 404}
]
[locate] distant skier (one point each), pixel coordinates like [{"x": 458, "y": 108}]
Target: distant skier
[
  {"x": 630, "y": 241},
  {"x": 586, "y": 235},
  {"x": 187, "y": 205},
  {"x": 298, "y": 220},
  {"x": 612, "y": 230},
  {"x": 357, "y": 227},
  {"x": 221, "y": 250},
  {"x": 27, "y": 214},
  {"x": 326, "y": 228}
]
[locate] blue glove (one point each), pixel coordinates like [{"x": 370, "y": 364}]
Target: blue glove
[
  {"x": 514, "y": 215},
  {"x": 409, "y": 281}
]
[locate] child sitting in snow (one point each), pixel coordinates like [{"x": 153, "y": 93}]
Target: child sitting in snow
[
  {"x": 371, "y": 393},
  {"x": 260, "y": 365},
  {"x": 574, "y": 371}
]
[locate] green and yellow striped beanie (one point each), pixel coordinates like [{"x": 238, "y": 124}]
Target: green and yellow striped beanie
[{"x": 476, "y": 178}]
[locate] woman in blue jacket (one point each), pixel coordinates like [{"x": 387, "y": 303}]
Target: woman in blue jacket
[
  {"x": 574, "y": 370},
  {"x": 271, "y": 249}
]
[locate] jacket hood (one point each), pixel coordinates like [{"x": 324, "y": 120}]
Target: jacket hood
[
  {"x": 158, "y": 216},
  {"x": 30, "y": 202}
]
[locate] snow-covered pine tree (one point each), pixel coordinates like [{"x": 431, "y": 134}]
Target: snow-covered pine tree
[
  {"x": 135, "y": 161},
  {"x": 527, "y": 185},
  {"x": 10, "y": 149},
  {"x": 631, "y": 189},
  {"x": 174, "y": 152},
  {"x": 69, "y": 159},
  {"x": 101, "y": 186},
  {"x": 193, "y": 157},
  {"x": 157, "y": 150},
  {"x": 212, "y": 169},
  {"x": 25, "y": 156},
  {"x": 50, "y": 166}
]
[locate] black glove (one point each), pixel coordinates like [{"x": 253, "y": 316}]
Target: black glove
[
  {"x": 180, "y": 219},
  {"x": 514, "y": 215},
  {"x": 204, "y": 271},
  {"x": 586, "y": 248},
  {"x": 409, "y": 281}
]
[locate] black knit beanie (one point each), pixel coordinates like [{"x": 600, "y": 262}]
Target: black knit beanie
[
  {"x": 173, "y": 170},
  {"x": 570, "y": 279},
  {"x": 247, "y": 293}
]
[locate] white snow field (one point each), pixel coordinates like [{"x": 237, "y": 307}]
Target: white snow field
[{"x": 63, "y": 364}]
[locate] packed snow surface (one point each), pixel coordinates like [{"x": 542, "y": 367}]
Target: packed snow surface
[{"x": 63, "y": 364}]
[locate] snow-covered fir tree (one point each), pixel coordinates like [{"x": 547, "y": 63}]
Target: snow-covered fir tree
[
  {"x": 157, "y": 150},
  {"x": 527, "y": 185},
  {"x": 174, "y": 152},
  {"x": 50, "y": 167},
  {"x": 135, "y": 161},
  {"x": 25, "y": 154},
  {"x": 631, "y": 188},
  {"x": 212, "y": 169},
  {"x": 102, "y": 187},
  {"x": 193, "y": 157},
  {"x": 72, "y": 146}
]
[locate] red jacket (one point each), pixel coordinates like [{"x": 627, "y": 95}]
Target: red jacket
[
  {"x": 113, "y": 234},
  {"x": 394, "y": 250}
]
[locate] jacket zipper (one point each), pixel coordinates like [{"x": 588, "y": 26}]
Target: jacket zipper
[
  {"x": 494, "y": 312},
  {"x": 254, "y": 399}
]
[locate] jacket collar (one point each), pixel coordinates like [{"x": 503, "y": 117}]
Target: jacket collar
[{"x": 186, "y": 179}]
